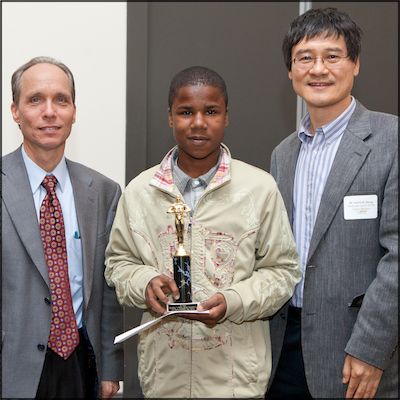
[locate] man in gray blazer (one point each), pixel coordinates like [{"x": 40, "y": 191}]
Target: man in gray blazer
[
  {"x": 44, "y": 108},
  {"x": 338, "y": 175}
]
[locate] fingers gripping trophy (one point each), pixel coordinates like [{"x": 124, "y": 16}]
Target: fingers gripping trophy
[{"x": 181, "y": 261}]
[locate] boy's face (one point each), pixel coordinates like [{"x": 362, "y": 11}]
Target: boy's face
[{"x": 198, "y": 117}]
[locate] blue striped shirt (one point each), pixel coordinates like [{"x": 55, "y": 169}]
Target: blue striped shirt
[{"x": 314, "y": 163}]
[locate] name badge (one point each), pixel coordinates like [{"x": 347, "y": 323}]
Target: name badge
[{"x": 360, "y": 207}]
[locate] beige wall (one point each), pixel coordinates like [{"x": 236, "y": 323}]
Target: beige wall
[{"x": 91, "y": 39}]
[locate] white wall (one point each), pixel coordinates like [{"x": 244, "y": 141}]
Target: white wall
[{"x": 90, "y": 38}]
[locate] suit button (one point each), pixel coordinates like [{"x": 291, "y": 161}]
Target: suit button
[
  {"x": 47, "y": 300},
  {"x": 41, "y": 347}
]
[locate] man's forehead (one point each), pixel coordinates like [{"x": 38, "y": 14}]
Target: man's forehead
[
  {"x": 45, "y": 75},
  {"x": 44, "y": 68},
  {"x": 325, "y": 36},
  {"x": 322, "y": 40}
]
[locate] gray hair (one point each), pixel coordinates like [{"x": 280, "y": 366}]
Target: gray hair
[{"x": 17, "y": 75}]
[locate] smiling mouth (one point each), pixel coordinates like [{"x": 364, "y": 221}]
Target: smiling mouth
[
  {"x": 49, "y": 129},
  {"x": 319, "y": 84}
]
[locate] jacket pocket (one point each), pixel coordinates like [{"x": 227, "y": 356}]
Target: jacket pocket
[
  {"x": 147, "y": 363},
  {"x": 245, "y": 365},
  {"x": 356, "y": 302}
]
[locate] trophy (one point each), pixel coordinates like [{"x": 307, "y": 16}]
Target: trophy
[{"x": 181, "y": 262}]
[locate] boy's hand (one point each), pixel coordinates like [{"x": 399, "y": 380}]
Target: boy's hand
[
  {"x": 157, "y": 291},
  {"x": 217, "y": 306}
]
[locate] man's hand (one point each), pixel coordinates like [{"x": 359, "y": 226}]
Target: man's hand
[
  {"x": 108, "y": 389},
  {"x": 217, "y": 306},
  {"x": 157, "y": 291},
  {"x": 362, "y": 378}
]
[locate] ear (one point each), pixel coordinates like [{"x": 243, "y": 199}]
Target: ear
[
  {"x": 290, "y": 74},
  {"x": 15, "y": 112},
  {"x": 170, "y": 121},
  {"x": 356, "y": 66},
  {"x": 74, "y": 117},
  {"x": 226, "y": 118}
]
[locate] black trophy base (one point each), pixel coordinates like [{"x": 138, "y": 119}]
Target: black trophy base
[{"x": 182, "y": 307}]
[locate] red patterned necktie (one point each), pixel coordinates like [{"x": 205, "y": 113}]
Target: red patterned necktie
[{"x": 64, "y": 336}]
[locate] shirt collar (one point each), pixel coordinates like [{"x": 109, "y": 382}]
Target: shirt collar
[
  {"x": 330, "y": 131},
  {"x": 183, "y": 179},
  {"x": 164, "y": 180},
  {"x": 37, "y": 174}
]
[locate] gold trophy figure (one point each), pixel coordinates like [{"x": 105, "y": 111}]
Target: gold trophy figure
[{"x": 181, "y": 261}]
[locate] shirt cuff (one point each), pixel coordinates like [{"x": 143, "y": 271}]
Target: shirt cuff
[
  {"x": 145, "y": 279},
  {"x": 134, "y": 294},
  {"x": 234, "y": 306}
]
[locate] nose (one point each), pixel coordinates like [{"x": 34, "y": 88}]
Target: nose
[
  {"x": 318, "y": 66},
  {"x": 48, "y": 110},
  {"x": 199, "y": 121}
]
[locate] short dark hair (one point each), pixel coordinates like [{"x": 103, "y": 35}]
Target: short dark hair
[
  {"x": 322, "y": 21},
  {"x": 196, "y": 76},
  {"x": 17, "y": 75}
]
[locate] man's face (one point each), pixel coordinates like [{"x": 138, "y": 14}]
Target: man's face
[
  {"x": 324, "y": 86},
  {"x": 45, "y": 111},
  {"x": 198, "y": 118}
]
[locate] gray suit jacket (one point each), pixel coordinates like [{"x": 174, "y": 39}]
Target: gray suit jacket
[
  {"x": 350, "y": 261},
  {"x": 26, "y": 312}
]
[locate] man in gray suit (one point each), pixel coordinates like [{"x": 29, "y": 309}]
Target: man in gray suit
[
  {"x": 338, "y": 175},
  {"x": 34, "y": 315}
]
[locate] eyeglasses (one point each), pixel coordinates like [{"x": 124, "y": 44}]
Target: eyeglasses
[{"x": 306, "y": 62}]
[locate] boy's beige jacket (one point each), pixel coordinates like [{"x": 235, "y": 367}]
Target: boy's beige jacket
[{"x": 241, "y": 245}]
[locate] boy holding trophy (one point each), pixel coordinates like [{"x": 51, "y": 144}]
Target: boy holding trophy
[{"x": 219, "y": 227}]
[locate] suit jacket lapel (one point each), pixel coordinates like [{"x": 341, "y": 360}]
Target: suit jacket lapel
[
  {"x": 287, "y": 176},
  {"x": 18, "y": 199},
  {"x": 349, "y": 158},
  {"x": 86, "y": 209}
]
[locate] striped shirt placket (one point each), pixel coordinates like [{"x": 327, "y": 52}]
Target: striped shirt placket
[{"x": 314, "y": 163}]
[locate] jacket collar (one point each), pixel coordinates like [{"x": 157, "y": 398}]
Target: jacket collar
[
  {"x": 350, "y": 157},
  {"x": 163, "y": 178}
]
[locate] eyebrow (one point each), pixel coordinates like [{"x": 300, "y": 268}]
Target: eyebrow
[
  {"x": 189, "y": 106},
  {"x": 302, "y": 51},
  {"x": 184, "y": 106},
  {"x": 65, "y": 94},
  {"x": 34, "y": 94}
]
